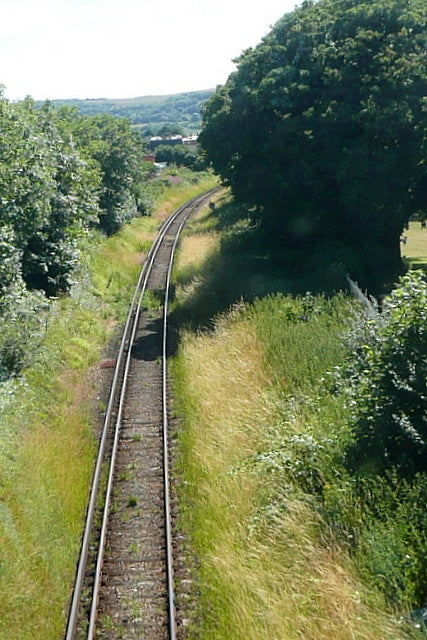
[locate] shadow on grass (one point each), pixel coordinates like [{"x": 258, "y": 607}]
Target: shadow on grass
[
  {"x": 415, "y": 264},
  {"x": 242, "y": 269}
]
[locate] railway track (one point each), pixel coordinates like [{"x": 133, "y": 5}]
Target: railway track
[{"x": 124, "y": 586}]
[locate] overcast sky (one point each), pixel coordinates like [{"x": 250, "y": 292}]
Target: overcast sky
[{"x": 126, "y": 48}]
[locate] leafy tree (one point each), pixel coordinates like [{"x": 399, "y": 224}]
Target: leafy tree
[
  {"x": 176, "y": 154},
  {"x": 321, "y": 130},
  {"x": 170, "y": 130},
  {"x": 386, "y": 384},
  {"x": 10, "y": 261},
  {"x": 118, "y": 152},
  {"x": 60, "y": 175},
  {"x": 26, "y": 183},
  {"x": 51, "y": 253},
  {"x": 46, "y": 198}
]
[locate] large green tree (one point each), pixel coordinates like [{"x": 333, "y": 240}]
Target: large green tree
[
  {"x": 41, "y": 200},
  {"x": 322, "y": 131},
  {"x": 50, "y": 253},
  {"x": 60, "y": 174},
  {"x": 117, "y": 151}
]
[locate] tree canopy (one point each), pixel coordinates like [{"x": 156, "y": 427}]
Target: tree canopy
[
  {"x": 180, "y": 155},
  {"x": 322, "y": 131},
  {"x": 61, "y": 173}
]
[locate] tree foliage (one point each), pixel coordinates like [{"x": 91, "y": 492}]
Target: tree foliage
[
  {"x": 179, "y": 155},
  {"x": 322, "y": 129},
  {"x": 117, "y": 151},
  {"x": 41, "y": 189},
  {"x": 61, "y": 174},
  {"x": 386, "y": 384}
]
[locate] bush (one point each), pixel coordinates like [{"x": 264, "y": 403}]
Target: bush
[
  {"x": 385, "y": 383},
  {"x": 23, "y": 326},
  {"x": 383, "y": 523}
]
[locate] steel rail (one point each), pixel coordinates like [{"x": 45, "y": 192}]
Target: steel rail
[
  {"x": 126, "y": 343},
  {"x": 109, "y": 489},
  {"x": 167, "y": 500},
  {"x": 75, "y": 604}
]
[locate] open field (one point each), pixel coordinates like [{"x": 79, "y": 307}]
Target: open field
[{"x": 415, "y": 247}]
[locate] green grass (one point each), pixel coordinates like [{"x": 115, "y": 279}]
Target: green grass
[
  {"x": 262, "y": 441},
  {"x": 415, "y": 247},
  {"x": 47, "y": 443},
  {"x": 46, "y": 469},
  {"x": 253, "y": 449}
]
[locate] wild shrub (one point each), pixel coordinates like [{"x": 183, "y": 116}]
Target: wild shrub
[
  {"x": 377, "y": 508},
  {"x": 383, "y": 523},
  {"x": 23, "y": 324},
  {"x": 355, "y": 450},
  {"x": 385, "y": 384}
]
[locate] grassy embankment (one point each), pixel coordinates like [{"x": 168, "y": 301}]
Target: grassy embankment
[
  {"x": 415, "y": 247},
  {"x": 47, "y": 438},
  {"x": 260, "y": 433}
]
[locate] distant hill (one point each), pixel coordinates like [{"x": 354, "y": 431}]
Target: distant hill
[{"x": 150, "y": 112}]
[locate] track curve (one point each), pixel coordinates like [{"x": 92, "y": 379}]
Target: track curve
[{"x": 124, "y": 581}]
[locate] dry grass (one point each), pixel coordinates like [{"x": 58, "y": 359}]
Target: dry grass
[
  {"x": 195, "y": 248},
  {"x": 44, "y": 503},
  {"x": 228, "y": 383},
  {"x": 262, "y": 575},
  {"x": 415, "y": 247},
  {"x": 47, "y": 443},
  {"x": 263, "y": 572}
]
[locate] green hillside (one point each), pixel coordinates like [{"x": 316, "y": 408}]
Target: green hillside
[{"x": 149, "y": 112}]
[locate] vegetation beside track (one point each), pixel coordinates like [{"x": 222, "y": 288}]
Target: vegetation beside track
[
  {"x": 414, "y": 248},
  {"x": 48, "y": 426},
  {"x": 290, "y": 541},
  {"x": 321, "y": 133}
]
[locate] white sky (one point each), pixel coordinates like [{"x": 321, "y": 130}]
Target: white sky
[{"x": 126, "y": 48}]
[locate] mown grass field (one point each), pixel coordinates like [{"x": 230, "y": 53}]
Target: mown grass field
[
  {"x": 48, "y": 431},
  {"x": 414, "y": 248},
  {"x": 262, "y": 431}
]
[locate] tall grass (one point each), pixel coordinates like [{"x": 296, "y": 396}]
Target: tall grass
[
  {"x": 259, "y": 437},
  {"x": 48, "y": 431},
  {"x": 46, "y": 468}
]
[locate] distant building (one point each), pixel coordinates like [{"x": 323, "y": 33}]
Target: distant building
[
  {"x": 156, "y": 141},
  {"x": 192, "y": 142}
]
